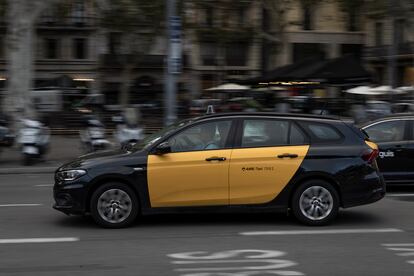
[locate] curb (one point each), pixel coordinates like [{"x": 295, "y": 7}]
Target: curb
[{"x": 27, "y": 170}]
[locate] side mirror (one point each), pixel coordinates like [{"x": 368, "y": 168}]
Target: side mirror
[
  {"x": 162, "y": 148},
  {"x": 129, "y": 146}
]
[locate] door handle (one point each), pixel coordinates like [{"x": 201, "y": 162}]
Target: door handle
[
  {"x": 287, "y": 155},
  {"x": 216, "y": 158}
]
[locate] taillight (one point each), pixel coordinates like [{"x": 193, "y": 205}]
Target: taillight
[{"x": 369, "y": 155}]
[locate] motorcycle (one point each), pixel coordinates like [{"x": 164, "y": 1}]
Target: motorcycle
[
  {"x": 34, "y": 140},
  {"x": 93, "y": 136},
  {"x": 127, "y": 134},
  {"x": 6, "y": 138}
]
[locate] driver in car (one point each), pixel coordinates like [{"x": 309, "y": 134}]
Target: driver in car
[{"x": 207, "y": 135}]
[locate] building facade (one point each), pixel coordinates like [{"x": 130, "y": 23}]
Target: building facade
[
  {"x": 389, "y": 50},
  {"x": 65, "y": 49},
  {"x": 222, "y": 40}
]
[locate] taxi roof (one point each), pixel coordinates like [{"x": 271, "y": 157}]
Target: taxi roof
[{"x": 269, "y": 114}]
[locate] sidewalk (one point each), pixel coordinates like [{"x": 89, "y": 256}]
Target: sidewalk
[{"x": 62, "y": 149}]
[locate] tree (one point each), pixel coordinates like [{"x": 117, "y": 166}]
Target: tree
[
  {"x": 21, "y": 18},
  {"x": 224, "y": 26},
  {"x": 139, "y": 22}
]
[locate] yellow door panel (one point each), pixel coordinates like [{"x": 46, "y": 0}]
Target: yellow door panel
[
  {"x": 258, "y": 175},
  {"x": 187, "y": 179}
]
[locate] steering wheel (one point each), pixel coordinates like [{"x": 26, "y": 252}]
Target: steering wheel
[{"x": 188, "y": 141}]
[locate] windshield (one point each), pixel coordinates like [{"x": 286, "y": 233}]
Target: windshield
[{"x": 151, "y": 139}]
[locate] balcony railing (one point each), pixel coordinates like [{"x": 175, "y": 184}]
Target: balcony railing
[
  {"x": 383, "y": 51},
  {"x": 67, "y": 22}
]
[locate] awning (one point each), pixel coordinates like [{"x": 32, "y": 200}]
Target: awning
[
  {"x": 342, "y": 71},
  {"x": 229, "y": 87}
]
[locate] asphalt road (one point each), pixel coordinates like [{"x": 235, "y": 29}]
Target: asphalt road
[{"x": 377, "y": 239}]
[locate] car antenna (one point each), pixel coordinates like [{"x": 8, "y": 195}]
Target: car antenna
[{"x": 210, "y": 109}]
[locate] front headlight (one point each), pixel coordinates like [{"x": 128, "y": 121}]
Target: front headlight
[{"x": 70, "y": 175}]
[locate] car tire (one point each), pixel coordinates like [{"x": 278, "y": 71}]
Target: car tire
[
  {"x": 114, "y": 205},
  {"x": 315, "y": 203}
]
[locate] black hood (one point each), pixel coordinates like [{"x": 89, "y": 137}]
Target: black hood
[{"x": 99, "y": 158}]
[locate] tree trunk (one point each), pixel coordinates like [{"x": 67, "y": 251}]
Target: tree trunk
[
  {"x": 22, "y": 15},
  {"x": 124, "y": 96}
]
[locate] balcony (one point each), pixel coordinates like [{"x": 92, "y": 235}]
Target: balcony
[
  {"x": 383, "y": 51},
  {"x": 69, "y": 22},
  {"x": 117, "y": 61}
]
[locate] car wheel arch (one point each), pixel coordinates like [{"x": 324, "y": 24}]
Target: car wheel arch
[
  {"x": 112, "y": 179},
  {"x": 312, "y": 177}
]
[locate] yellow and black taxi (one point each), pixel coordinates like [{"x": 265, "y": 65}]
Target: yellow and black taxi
[
  {"x": 394, "y": 135},
  {"x": 310, "y": 165}
]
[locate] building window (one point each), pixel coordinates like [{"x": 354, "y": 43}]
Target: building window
[
  {"x": 114, "y": 43},
  {"x": 379, "y": 28},
  {"x": 399, "y": 31},
  {"x": 236, "y": 54},
  {"x": 1, "y": 47},
  {"x": 51, "y": 48},
  {"x": 352, "y": 21},
  {"x": 241, "y": 16},
  {"x": 352, "y": 49},
  {"x": 78, "y": 13},
  {"x": 80, "y": 48},
  {"x": 209, "y": 18},
  {"x": 209, "y": 53},
  {"x": 304, "y": 51},
  {"x": 307, "y": 17}
]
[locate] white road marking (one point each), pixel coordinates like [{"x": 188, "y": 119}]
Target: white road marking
[
  {"x": 400, "y": 195},
  {"x": 404, "y": 248},
  {"x": 321, "y": 232},
  {"x": 397, "y": 244},
  {"x": 401, "y": 249},
  {"x": 39, "y": 240},
  {"x": 44, "y": 185},
  {"x": 21, "y": 205},
  {"x": 249, "y": 262},
  {"x": 266, "y": 265}
]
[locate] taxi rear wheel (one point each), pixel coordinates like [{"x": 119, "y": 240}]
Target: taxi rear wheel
[
  {"x": 114, "y": 205},
  {"x": 315, "y": 202}
]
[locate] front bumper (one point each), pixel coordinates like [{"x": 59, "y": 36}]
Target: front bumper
[{"x": 70, "y": 198}]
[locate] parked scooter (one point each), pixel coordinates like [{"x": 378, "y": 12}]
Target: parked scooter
[
  {"x": 6, "y": 138},
  {"x": 34, "y": 140},
  {"x": 93, "y": 136},
  {"x": 127, "y": 134}
]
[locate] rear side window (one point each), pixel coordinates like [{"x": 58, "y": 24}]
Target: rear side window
[
  {"x": 322, "y": 133},
  {"x": 269, "y": 132},
  {"x": 264, "y": 133}
]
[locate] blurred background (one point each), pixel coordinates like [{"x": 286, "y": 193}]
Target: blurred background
[{"x": 83, "y": 75}]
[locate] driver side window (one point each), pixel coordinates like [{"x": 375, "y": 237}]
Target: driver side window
[
  {"x": 204, "y": 136},
  {"x": 391, "y": 131}
]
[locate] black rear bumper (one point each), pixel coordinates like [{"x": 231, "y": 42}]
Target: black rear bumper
[{"x": 370, "y": 189}]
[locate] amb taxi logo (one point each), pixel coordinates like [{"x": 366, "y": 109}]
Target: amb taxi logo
[{"x": 245, "y": 169}]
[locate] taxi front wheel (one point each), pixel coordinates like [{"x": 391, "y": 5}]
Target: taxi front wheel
[
  {"x": 114, "y": 205},
  {"x": 315, "y": 202}
]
